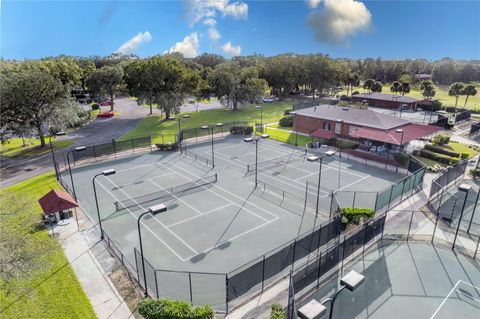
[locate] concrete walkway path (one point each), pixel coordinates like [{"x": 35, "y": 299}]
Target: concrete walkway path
[{"x": 95, "y": 282}]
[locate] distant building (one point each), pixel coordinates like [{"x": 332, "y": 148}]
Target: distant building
[
  {"x": 423, "y": 77},
  {"x": 373, "y": 130},
  {"x": 389, "y": 101}
]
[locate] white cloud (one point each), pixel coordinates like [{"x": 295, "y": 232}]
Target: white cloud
[
  {"x": 199, "y": 10},
  {"x": 210, "y": 22},
  {"x": 213, "y": 34},
  {"x": 313, "y": 3},
  {"x": 231, "y": 50},
  {"x": 131, "y": 45},
  {"x": 188, "y": 47},
  {"x": 339, "y": 20}
]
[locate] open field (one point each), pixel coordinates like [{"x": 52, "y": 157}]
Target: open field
[
  {"x": 156, "y": 126},
  {"x": 14, "y": 147},
  {"x": 53, "y": 292}
]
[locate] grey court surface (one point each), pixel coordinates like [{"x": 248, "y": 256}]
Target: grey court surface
[
  {"x": 451, "y": 203},
  {"x": 216, "y": 226},
  {"x": 410, "y": 280},
  {"x": 423, "y": 117}
]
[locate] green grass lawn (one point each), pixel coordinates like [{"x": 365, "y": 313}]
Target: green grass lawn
[
  {"x": 14, "y": 147},
  {"x": 287, "y": 128},
  {"x": 53, "y": 291},
  {"x": 287, "y": 137},
  {"x": 461, "y": 148},
  {"x": 158, "y": 128}
]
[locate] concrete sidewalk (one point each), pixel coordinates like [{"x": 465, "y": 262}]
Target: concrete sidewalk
[{"x": 98, "y": 287}]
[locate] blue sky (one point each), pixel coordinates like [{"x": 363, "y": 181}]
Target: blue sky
[{"x": 340, "y": 28}]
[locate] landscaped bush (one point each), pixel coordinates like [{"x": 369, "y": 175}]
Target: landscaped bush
[
  {"x": 355, "y": 93},
  {"x": 464, "y": 155},
  {"x": 286, "y": 121},
  {"x": 475, "y": 172},
  {"x": 434, "y": 168},
  {"x": 436, "y": 156},
  {"x": 401, "y": 159},
  {"x": 287, "y": 111},
  {"x": 441, "y": 150},
  {"x": 245, "y": 130},
  {"x": 95, "y": 106},
  {"x": 454, "y": 160},
  {"x": 277, "y": 312},
  {"x": 345, "y": 98},
  {"x": 167, "y": 146},
  {"x": 356, "y": 215},
  {"x": 441, "y": 139},
  {"x": 343, "y": 144},
  {"x": 173, "y": 309}
]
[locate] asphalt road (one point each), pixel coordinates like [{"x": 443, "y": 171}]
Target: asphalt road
[{"x": 14, "y": 170}]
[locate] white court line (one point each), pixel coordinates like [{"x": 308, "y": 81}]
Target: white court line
[
  {"x": 217, "y": 194},
  {"x": 451, "y": 291},
  {"x": 314, "y": 173},
  {"x": 194, "y": 217},
  {"x": 348, "y": 185},
  {"x": 148, "y": 179},
  {"x": 234, "y": 237},
  {"x": 153, "y": 233},
  {"x": 177, "y": 198},
  {"x": 187, "y": 245},
  {"x": 278, "y": 177}
]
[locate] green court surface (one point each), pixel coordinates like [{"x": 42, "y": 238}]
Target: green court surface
[
  {"x": 216, "y": 220},
  {"x": 409, "y": 280}
]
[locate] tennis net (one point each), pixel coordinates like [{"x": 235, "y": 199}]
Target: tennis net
[
  {"x": 166, "y": 193},
  {"x": 275, "y": 162}
]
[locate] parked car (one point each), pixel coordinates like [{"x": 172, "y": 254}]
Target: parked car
[
  {"x": 267, "y": 100},
  {"x": 105, "y": 103},
  {"x": 106, "y": 114}
]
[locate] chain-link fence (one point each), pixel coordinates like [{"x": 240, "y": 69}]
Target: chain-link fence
[{"x": 451, "y": 174}]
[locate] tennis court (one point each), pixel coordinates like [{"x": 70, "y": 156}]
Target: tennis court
[
  {"x": 216, "y": 220},
  {"x": 409, "y": 280},
  {"x": 451, "y": 202}
]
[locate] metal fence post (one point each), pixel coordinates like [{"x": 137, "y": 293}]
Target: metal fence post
[
  {"x": 390, "y": 198},
  {"x": 410, "y": 225},
  {"x": 114, "y": 148},
  {"x": 133, "y": 146},
  {"x": 226, "y": 293},
  {"x": 156, "y": 283},
  {"x": 354, "y": 197},
  {"x": 263, "y": 273},
  {"x": 473, "y": 212},
  {"x": 190, "y": 285}
]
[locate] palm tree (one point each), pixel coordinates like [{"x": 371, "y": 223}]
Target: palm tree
[
  {"x": 367, "y": 85},
  {"x": 428, "y": 90},
  {"x": 395, "y": 88},
  {"x": 405, "y": 88},
  {"x": 469, "y": 90},
  {"x": 456, "y": 89},
  {"x": 353, "y": 81},
  {"x": 376, "y": 87}
]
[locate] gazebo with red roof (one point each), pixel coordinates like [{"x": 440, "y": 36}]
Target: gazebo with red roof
[{"x": 57, "y": 201}]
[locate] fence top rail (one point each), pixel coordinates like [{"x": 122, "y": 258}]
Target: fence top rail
[{"x": 284, "y": 245}]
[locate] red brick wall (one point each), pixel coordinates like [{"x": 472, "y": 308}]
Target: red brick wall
[{"x": 307, "y": 125}]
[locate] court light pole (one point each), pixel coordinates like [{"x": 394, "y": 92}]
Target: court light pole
[
  {"x": 315, "y": 309},
  {"x": 320, "y": 161},
  {"x": 76, "y": 149},
  {"x": 106, "y": 172},
  {"x": 256, "y": 160},
  {"x": 463, "y": 188},
  {"x": 154, "y": 210}
]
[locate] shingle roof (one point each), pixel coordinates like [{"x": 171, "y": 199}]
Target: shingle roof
[
  {"x": 410, "y": 132},
  {"x": 56, "y": 201},
  {"x": 386, "y": 97},
  {"x": 360, "y": 117}
]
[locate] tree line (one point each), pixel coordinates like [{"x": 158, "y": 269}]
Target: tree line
[{"x": 36, "y": 94}]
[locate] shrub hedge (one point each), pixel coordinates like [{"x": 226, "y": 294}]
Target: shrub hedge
[
  {"x": 436, "y": 156},
  {"x": 441, "y": 150},
  {"x": 441, "y": 139},
  {"x": 287, "y": 111},
  {"x": 277, "y": 312},
  {"x": 356, "y": 215},
  {"x": 172, "y": 309},
  {"x": 286, "y": 121}
]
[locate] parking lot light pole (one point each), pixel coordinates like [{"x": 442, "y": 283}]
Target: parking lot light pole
[
  {"x": 104, "y": 173},
  {"x": 55, "y": 166},
  {"x": 463, "y": 188},
  {"x": 154, "y": 210},
  {"x": 76, "y": 149}
]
